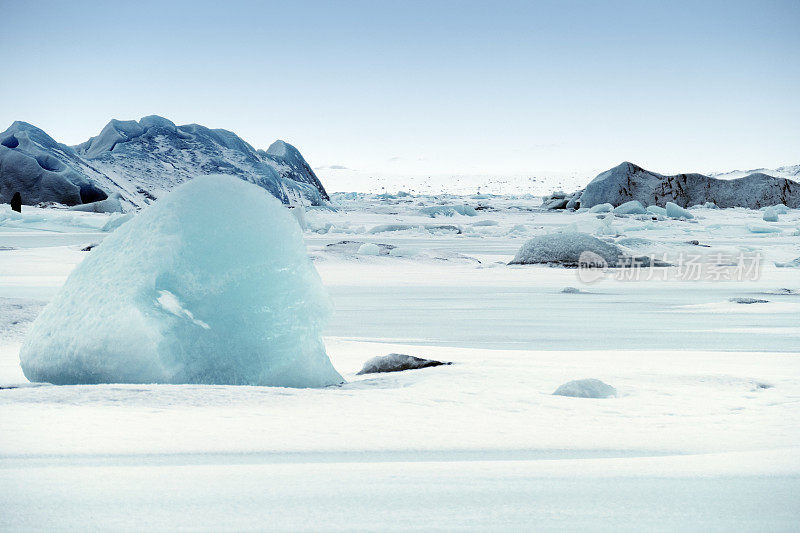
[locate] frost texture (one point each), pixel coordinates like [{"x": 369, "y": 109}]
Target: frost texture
[
  {"x": 565, "y": 249},
  {"x": 212, "y": 284},
  {"x": 586, "y": 388}
]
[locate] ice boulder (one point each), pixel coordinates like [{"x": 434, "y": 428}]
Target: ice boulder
[
  {"x": 211, "y": 284},
  {"x": 565, "y": 249},
  {"x": 586, "y": 388},
  {"x": 675, "y": 211},
  {"x": 601, "y": 208},
  {"x": 656, "y": 210},
  {"x": 396, "y": 362},
  {"x": 770, "y": 215},
  {"x": 369, "y": 248},
  {"x": 634, "y": 207}
]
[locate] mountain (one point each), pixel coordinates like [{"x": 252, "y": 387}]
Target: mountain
[
  {"x": 627, "y": 182},
  {"x": 142, "y": 160}
]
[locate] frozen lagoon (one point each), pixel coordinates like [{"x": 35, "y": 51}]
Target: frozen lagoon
[{"x": 703, "y": 436}]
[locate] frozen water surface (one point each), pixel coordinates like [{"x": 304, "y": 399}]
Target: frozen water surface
[{"x": 702, "y": 435}]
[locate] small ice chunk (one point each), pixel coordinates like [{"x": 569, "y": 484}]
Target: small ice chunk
[
  {"x": 586, "y": 388},
  {"x": 770, "y": 215},
  {"x": 396, "y": 362},
  {"x": 758, "y": 228},
  {"x": 486, "y": 223},
  {"x": 675, "y": 211},
  {"x": 369, "y": 248},
  {"x": 741, "y": 300},
  {"x": 794, "y": 263},
  {"x": 601, "y": 208},
  {"x": 449, "y": 210},
  {"x": 634, "y": 207},
  {"x": 571, "y": 290},
  {"x": 656, "y": 210}
]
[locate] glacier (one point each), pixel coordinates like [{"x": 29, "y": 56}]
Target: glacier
[
  {"x": 142, "y": 160},
  {"x": 212, "y": 284}
]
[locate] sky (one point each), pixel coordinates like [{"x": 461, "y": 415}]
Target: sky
[{"x": 393, "y": 89}]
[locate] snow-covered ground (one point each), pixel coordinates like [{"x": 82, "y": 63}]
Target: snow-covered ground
[{"x": 704, "y": 433}]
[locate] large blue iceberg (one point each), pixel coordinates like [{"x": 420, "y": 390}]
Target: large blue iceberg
[{"x": 211, "y": 284}]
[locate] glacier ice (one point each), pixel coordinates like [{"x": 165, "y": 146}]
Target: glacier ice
[
  {"x": 212, "y": 284},
  {"x": 656, "y": 210},
  {"x": 586, "y": 388}
]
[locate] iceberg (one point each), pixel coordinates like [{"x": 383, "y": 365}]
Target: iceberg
[
  {"x": 634, "y": 207},
  {"x": 675, "y": 211},
  {"x": 627, "y": 182},
  {"x": 586, "y": 388},
  {"x": 212, "y": 284}
]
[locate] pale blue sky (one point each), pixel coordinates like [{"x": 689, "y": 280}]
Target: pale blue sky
[{"x": 425, "y": 87}]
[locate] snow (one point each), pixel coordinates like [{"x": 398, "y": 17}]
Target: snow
[
  {"x": 586, "y": 388},
  {"x": 397, "y": 362},
  {"x": 703, "y": 433},
  {"x": 565, "y": 249},
  {"x": 199, "y": 294}
]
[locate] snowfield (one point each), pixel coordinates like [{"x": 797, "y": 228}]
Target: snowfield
[{"x": 702, "y": 435}]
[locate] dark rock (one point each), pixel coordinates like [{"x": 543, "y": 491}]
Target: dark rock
[
  {"x": 396, "y": 362},
  {"x": 16, "y": 202}
]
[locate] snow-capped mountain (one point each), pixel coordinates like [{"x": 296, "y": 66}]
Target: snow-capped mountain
[
  {"x": 791, "y": 172},
  {"x": 142, "y": 160}
]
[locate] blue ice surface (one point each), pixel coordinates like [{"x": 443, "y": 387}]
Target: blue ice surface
[{"x": 212, "y": 284}]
